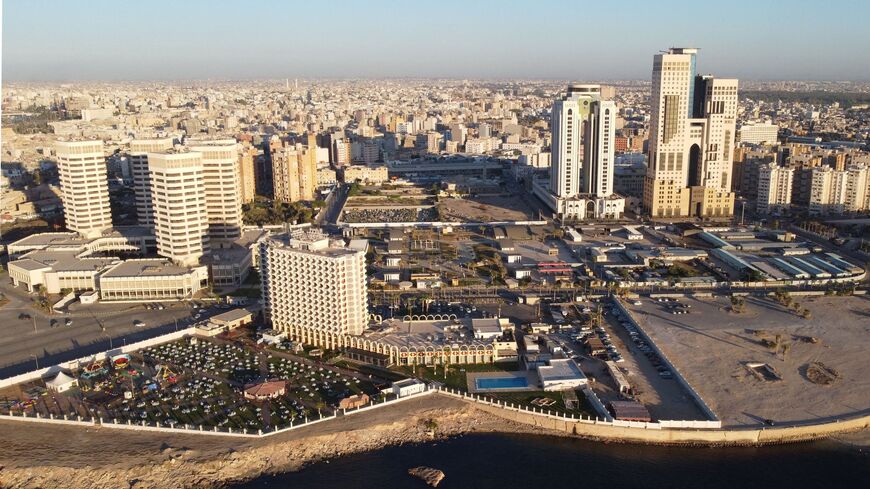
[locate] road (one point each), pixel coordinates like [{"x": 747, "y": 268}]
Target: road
[
  {"x": 95, "y": 328},
  {"x": 334, "y": 204}
]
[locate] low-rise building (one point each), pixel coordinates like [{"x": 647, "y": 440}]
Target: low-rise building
[
  {"x": 354, "y": 401},
  {"x": 561, "y": 374},
  {"x": 151, "y": 279},
  {"x": 407, "y": 387},
  {"x": 232, "y": 319}
]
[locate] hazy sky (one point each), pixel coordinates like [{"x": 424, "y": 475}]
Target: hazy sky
[{"x": 582, "y": 40}]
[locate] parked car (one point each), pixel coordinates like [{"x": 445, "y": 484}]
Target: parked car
[{"x": 24, "y": 316}]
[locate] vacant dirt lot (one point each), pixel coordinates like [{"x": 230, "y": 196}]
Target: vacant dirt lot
[
  {"x": 711, "y": 346},
  {"x": 485, "y": 209}
]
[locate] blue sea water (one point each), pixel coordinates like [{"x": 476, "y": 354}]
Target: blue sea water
[{"x": 499, "y": 461}]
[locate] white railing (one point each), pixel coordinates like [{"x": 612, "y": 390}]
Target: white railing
[
  {"x": 680, "y": 378},
  {"x": 73, "y": 364},
  {"x": 200, "y": 429},
  {"x": 555, "y": 416}
]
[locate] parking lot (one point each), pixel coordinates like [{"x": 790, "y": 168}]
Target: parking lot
[
  {"x": 715, "y": 348},
  {"x": 44, "y": 337},
  {"x": 193, "y": 381},
  {"x": 651, "y": 382}
]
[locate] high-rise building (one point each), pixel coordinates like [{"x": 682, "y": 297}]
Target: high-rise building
[
  {"x": 774, "y": 188},
  {"x": 247, "y": 179},
  {"x": 457, "y": 133},
  {"x": 691, "y": 143},
  {"x": 294, "y": 174},
  {"x": 139, "y": 149},
  {"x": 313, "y": 289},
  {"x": 836, "y": 192},
  {"x": 223, "y": 198},
  {"x": 84, "y": 187},
  {"x": 179, "y": 203},
  {"x": 583, "y": 128}
]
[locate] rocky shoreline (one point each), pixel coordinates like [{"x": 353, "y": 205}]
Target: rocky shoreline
[
  {"x": 178, "y": 464},
  {"x": 41, "y": 456}
]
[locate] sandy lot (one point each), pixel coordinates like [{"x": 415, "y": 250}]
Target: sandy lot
[
  {"x": 485, "y": 209},
  {"x": 711, "y": 346},
  {"x": 665, "y": 399}
]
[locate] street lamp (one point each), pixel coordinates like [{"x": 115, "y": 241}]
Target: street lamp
[{"x": 36, "y": 359}]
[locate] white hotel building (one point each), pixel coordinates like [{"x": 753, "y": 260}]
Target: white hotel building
[
  {"x": 313, "y": 289},
  {"x": 222, "y": 186}
]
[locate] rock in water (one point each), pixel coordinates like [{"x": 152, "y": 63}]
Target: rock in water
[{"x": 429, "y": 475}]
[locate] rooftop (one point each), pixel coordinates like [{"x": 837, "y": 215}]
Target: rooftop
[
  {"x": 562, "y": 369},
  {"x": 154, "y": 267},
  {"x": 232, "y": 315}
]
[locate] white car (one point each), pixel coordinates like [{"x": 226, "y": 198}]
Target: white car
[{"x": 137, "y": 323}]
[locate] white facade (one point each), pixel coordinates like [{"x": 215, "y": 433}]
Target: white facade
[
  {"x": 223, "y": 188},
  {"x": 311, "y": 288},
  {"x": 774, "y": 188},
  {"x": 582, "y": 126},
  {"x": 139, "y": 149},
  {"x": 836, "y": 192},
  {"x": 759, "y": 133},
  {"x": 178, "y": 195},
  {"x": 84, "y": 187}
]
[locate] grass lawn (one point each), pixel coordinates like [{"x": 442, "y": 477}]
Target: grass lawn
[
  {"x": 526, "y": 398},
  {"x": 456, "y": 374}
]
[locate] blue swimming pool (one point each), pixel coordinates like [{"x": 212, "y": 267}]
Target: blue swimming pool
[{"x": 501, "y": 383}]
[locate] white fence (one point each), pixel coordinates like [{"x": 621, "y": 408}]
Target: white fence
[
  {"x": 550, "y": 414},
  {"x": 190, "y": 429},
  {"x": 695, "y": 395},
  {"x": 73, "y": 364},
  {"x": 435, "y": 224}
]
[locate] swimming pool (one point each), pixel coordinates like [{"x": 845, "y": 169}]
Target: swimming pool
[{"x": 489, "y": 383}]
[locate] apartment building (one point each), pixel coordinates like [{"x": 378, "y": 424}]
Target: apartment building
[
  {"x": 837, "y": 192},
  {"x": 247, "y": 178},
  {"x": 294, "y": 174},
  {"x": 774, "y": 188}
]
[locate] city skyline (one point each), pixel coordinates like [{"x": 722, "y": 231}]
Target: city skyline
[{"x": 269, "y": 40}]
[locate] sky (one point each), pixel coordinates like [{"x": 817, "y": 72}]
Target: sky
[{"x": 77, "y": 40}]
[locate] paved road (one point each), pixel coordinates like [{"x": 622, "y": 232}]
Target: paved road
[
  {"x": 334, "y": 204},
  {"x": 96, "y": 328}
]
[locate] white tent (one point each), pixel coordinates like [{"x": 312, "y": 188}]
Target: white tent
[{"x": 61, "y": 382}]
